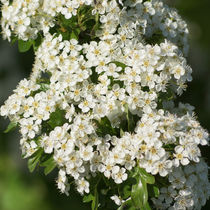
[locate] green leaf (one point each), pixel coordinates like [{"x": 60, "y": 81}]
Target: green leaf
[
  {"x": 139, "y": 194},
  {"x": 24, "y": 46},
  {"x": 93, "y": 195},
  {"x": 36, "y": 43},
  {"x": 34, "y": 160},
  {"x": 93, "y": 198},
  {"x": 57, "y": 118},
  {"x": 49, "y": 165},
  {"x": 148, "y": 178},
  {"x": 11, "y": 127},
  {"x": 13, "y": 39},
  {"x": 75, "y": 34},
  {"x": 153, "y": 191},
  {"x": 105, "y": 127},
  {"x": 94, "y": 76},
  {"x": 146, "y": 207},
  {"x": 117, "y": 63},
  {"x": 126, "y": 191},
  {"x": 88, "y": 198}
]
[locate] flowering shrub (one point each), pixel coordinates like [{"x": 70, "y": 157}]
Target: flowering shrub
[{"x": 100, "y": 104}]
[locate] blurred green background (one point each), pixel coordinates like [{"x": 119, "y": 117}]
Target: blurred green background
[{"x": 21, "y": 190}]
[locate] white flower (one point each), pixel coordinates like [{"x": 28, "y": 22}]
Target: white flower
[
  {"x": 181, "y": 155},
  {"x": 118, "y": 174},
  {"x": 117, "y": 200},
  {"x": 178, "y": 71},
  {"x": 28, "y": 128},
  {"x": 87, "y": 104},
  {"x": 86, "y": 153},
  {"x": 47, "y": 143},
  {"x": 62, "y": 182},
  {"x": 162, "y": 166},
  {"x": 82, "y": 186},
  {"x": 193, "y": 152}
]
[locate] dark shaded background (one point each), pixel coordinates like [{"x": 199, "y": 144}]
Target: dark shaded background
[{"x": 21, "y": 190}]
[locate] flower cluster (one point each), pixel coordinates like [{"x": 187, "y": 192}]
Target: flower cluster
[
  {"x": 189, "y": 186},
  {"x": 25, "y": 19},
  {"x": 105, "y": 106}
]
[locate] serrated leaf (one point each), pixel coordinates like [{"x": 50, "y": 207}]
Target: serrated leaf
[
  {"x": 24, "y": 46},
  {"x": 34, "y": 160},
  {"x": 57, "y": 118},
  {"x": 11, "y": 127},
  {"x": 49, "y": 165}
]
